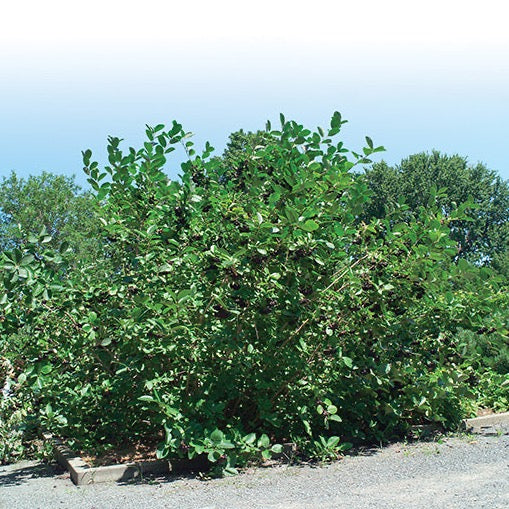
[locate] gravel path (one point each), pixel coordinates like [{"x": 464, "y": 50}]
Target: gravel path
[{"x": 462, "y": 472}]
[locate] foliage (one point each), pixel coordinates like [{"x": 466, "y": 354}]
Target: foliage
[
  {"x": 492, "y": 391},
  {"x": 236, "y": 155},
  {"x": 485, "y": 236},
  {"x": 485, "y": 356},
  {"x": 236, "y": 312},
  {"x": 51, "y": 202}
]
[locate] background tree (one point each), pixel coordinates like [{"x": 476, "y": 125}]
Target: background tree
[
  {"x": 53, "y": 202},
  {"x": 241, "y": 145},
  {"x": 484, "y": 239}
]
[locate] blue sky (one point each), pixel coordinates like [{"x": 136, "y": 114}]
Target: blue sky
[{"x": 414, "y": 77}]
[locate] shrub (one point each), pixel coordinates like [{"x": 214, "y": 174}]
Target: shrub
[{"x": 233, "y": 311}]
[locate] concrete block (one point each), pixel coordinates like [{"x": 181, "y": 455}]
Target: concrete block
[
  {"x": 81, "y": 473},
  {"x": 492, "y": 424}
]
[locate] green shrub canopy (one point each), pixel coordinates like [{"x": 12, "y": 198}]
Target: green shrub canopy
[{"x": 233, "y": 310}]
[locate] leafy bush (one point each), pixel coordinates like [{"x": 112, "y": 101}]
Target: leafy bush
[
  {"x": 485, "y": 357},
  {"x": 233, "y": 311}
]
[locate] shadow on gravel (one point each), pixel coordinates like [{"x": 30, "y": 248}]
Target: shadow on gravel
[
  {"x": 296, "y": 462},
  {"x": 15, "y": 476},
  {"x": 157, "y": 479},
  {"x": 427, "y": 435}
]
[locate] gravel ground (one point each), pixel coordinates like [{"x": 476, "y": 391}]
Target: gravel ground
[{"x": 463, "y": 472}]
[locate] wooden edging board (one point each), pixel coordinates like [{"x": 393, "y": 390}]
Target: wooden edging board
[
  {"x": 492, "y": 424},
  {"x": 82, "y": 473}
]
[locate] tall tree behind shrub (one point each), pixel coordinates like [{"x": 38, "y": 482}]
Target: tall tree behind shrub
[
  {"x": 485, "y": 238},
  {"x": 53, "y": 202}
]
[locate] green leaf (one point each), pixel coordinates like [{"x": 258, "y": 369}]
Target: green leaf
[
  {"x": 213, "y": 456},
  {"x": 291, "y": 214},
  {"x": 335, "y": 120},
  {"x": 64, "y": 246},
  {"x": 348, "y": 362},
  {"x": 46, "y": 369},
  {"x": 103, "y": 191},
  {"x": 250, "y": 439},
  {"x": 333, "y": 441},
  {"x": 27, "y": 260},
  {"x": 307, "y": 427},
  {"x": 87, "y": 154},
  {"x": 263, "y": 441},
  {"x": 217, "y": 436},
  {"x": 226, "y": 445},
  {"x": 18, "y": 256},
  {"x": 309, "y": 225},
  {"x": 277, "y": 448},
  {"x": 162, "y": 451}
]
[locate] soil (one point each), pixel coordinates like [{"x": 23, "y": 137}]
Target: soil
[
  {"x": 481, "y": 412},
  {"x": 147, "y": 451},
  {"x": 128, "y": 453}
]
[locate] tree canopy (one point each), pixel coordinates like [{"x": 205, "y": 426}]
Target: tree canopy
[
  {"x": 51, "y": 202},
  {"x": 484, "y": 238}
]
